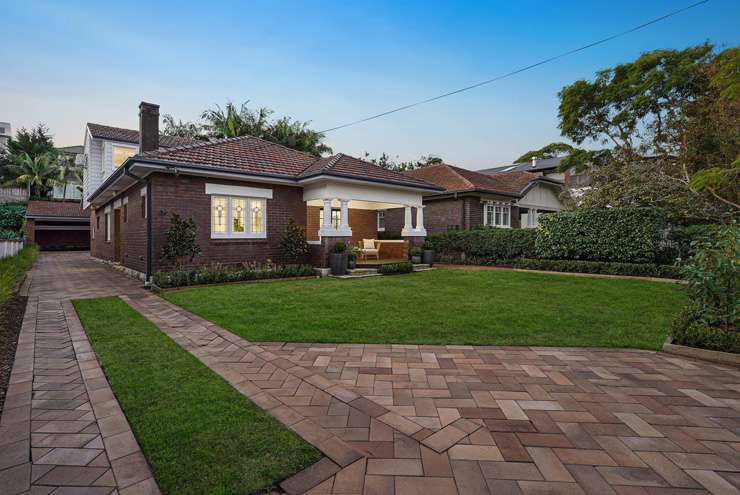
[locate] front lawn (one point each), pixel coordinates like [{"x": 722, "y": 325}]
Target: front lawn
[
  {"x": 445, "y": 307},
  {"x": 198, "y": 433}
]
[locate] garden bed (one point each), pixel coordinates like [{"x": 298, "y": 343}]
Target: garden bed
[{"x": 720, "y": 357}]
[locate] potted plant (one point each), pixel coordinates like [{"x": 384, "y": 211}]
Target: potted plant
[
  {"x": 427, "y": 256},
  {"x": 416, "y": 255},
  {"x": 352, "y": 257},
  {"x": 338, "y": 259}
]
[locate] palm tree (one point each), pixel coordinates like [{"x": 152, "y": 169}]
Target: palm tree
[
  {"x": 230, "y": 122},
  {"x": 69, "y": 171},
  {"x": 38, "y": 173}
]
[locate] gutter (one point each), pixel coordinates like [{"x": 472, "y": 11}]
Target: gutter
[{"x": 126, "y": 171}]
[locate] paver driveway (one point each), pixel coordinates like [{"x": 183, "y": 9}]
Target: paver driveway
[
  {"x": 62, "y": 430},
  {"x": 462, "y": 419}
]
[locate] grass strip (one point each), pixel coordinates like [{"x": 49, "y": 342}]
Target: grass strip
[{"x": 198, "y": 433}]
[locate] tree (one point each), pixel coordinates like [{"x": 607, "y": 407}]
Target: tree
[
  {"x": 38, "y": 174},
  {"x": 34, "y": 142},
  {"x": 69, "y": 171},
  {"x": 181, "y": 242},
  {"x": 385, "y": 161},
  {"x": 230, "y": 121},
  {"x": 294, "y": 243},
  {"x": 667, "y": 128}
]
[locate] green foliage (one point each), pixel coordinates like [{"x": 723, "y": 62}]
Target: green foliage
[
  {"x": 713, "y": 277},
  {"x": 219, "y": 274},
  {"x": 12, "y": 270},
  {"x": 416, "y": 251},
  {"x": 339, "y": 248},
  {"x": 386, "y": 161},
  {"x": 681, "y": 238},
  {"x": 601, "y": 267},
  {"x": 12, "y": 216},
  {"x": 690, "y": 329},
  {"x": 628, "y": 235},
  {"x": 396, "y": 268},
  {"x": 552, "y": 150},
  {"x": 230, "y": 121},
  {"x": 181, "y": 242},
  {"x": 38, "y": 173},
  {"x": 293, "y": 243},
  {"x": 9, "y": 235},
  {"x": 485, "y": 244}
]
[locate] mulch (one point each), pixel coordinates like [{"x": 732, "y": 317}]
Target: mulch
[{"x": 11, "y": 318}]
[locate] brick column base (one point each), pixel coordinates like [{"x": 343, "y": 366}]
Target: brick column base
[{"x": 412, "y": 242}]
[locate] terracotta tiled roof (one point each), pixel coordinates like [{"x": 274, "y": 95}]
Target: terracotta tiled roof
[
  {"x": 257, "y": 156},
  {"x": 132, "y": 136},
  {"x": 348, "y": 166},
  {"x": 71, "y": 209},
  {"x": 455, "y": 179}
]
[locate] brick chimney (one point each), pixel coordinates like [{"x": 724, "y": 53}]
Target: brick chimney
[{"x": 148, "y": 127}]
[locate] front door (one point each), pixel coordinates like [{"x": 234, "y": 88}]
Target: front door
[{"x": 117, "y": 235}]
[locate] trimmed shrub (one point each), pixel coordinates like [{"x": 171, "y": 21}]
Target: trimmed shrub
[
  {"x": 681, "y": 237},
  {"x": 218, "y": 274},
  {"x": 485, "y": 245},
  {"x": 626, "y": 235},
  {"x": 12, "y": 216},
  {"x": 9, "y": 235},
  {"x": 396, "y": 268},
  {"x": 691, "y": 330},
  {"x": 601, "y": 267}
]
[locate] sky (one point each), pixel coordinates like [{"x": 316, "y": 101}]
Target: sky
[{"x": 68, "y": 63}]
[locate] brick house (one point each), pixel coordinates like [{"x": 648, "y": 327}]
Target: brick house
[
  {"x": 242, "y": 193},
  {"x": 469, "y": 199},
  {"x": 57, "y": 225}
]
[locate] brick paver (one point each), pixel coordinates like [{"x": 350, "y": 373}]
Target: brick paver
[
  {"x": 62, "y": 430},
  {"x": 461, "y": 419}
]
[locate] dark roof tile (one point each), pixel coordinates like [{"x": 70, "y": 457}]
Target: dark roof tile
[
  {"x": 456, "y": 179},
  {"x": 71, "y": 209},
  {"x": 132, "y": 136}
]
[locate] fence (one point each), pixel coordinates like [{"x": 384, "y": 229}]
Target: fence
[
  {"x": 13, "y": 194},
  {"x": 10, "y": 248}
]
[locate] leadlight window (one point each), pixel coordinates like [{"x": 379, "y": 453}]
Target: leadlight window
[
  {"x": 497, "y": 215},
  {"x": 237, "y": 217}
]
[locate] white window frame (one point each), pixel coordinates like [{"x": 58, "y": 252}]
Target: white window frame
[
  {"x": 380, "y": 214},
  {"x": 489, "y": 218},
  {"x": 336, "y": 220},
  {"x": 247, "y": 234}
]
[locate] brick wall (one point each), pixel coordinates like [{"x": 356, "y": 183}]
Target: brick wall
[
  {"x": 186, "y": 196},
  {"x": 443, "y": 215},
  {"x": 364, "y": 224}
]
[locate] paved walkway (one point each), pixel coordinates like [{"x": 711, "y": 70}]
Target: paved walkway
[
  {"x": 462, "y": 419},
  {"x": 62, "y": 430}
]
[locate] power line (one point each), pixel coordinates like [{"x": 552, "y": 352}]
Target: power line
[
  {"x": 517, "y": 71},
  {"x": 504, "y": 76}
]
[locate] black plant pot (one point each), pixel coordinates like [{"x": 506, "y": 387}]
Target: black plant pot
[
  {"x": 427, "y": 257},
  {"x": 338, "y": 263},
  {"x": 416, "y": 259}
]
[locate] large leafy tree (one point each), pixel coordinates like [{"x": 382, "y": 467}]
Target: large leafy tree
[
  {"x": 232, "y": 121},
  {"x": 33, "y": 142},
  {"x": 666, "y": 130}
]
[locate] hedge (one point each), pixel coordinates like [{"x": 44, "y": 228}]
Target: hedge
[
  {"x": 486, "y": 243},
  {"x": 12, "y": 216},
  {"x": 218, "y": 274},
  {"x": 626, "y": 235},
  {"x": 601, "y": 267},
  {"x": 690, "y": 330},
  {"x": 396, "y": 268}
]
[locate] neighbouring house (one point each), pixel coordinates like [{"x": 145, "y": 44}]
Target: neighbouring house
[
  {"x": 106, "y": 148},
  {"x": 547, "y": 167},
  {"x": 242, "y": 193},
  {"x": 469, "y": 199},
  {"x": 5, "y": 134},
  {"x": 58, "y": 225}
]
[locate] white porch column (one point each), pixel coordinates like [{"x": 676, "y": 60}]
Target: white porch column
[
  {"x": 408, "y": 228},
  {"x": 326, "y": 228},
  {"x": 344, "y": 215},
  {"x": 420, "y": 230}
]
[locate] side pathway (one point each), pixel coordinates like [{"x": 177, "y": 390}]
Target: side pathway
[{"x": 62, "y": 430}]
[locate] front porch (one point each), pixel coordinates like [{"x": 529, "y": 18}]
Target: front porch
[{"x": 359, "y": 215}]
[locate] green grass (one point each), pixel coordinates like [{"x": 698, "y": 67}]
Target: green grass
[
  {"x": 199, "y": 434},
  {"x": 445, "y": 307},
  {"x": 12, "y": 270}
]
